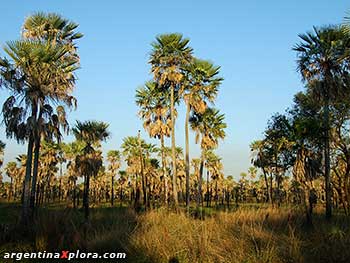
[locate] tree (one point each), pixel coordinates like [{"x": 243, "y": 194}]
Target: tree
[
  {"x": 114, "y": 158},
  {"x": 11, "y": 171},
  {"x": 170, "y": 52},
  {"x": 41, "y": 74},
  {"x": 70, "y": 152},
  {"x": 92, "y": 133},
  {"x": 2, "y": 148},
  {"x": 261, "y": 159},
  {"x": 321, "y": 63},
  {"x": 154, "y": 110},
  {"x": 209, "y": 128},
  {"x": 135, "y": 150},
  {"x": 201, "y": 86},
  {"x": 214, "y": 167}
]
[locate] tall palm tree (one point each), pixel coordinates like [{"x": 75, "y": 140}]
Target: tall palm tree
[
  {"x": 321, "y": 64},
  {"x": 41, "y": 77},
  {"x": 92, "y": 133},
  {"x": 114, "y": 159},
  {"x": 201, "y": 87},
  {"x": 209, "y": 128},
  {"x": 55, "y": 30},
  {"x": 170, "y": 52},
  {"x": 155, "y": 111}
]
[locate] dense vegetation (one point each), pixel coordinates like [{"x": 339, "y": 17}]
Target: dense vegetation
[{"x": 167, "y": 206}]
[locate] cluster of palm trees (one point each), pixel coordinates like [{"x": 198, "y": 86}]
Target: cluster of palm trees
[
  {"x": 179, "y": 76},
  {"x": 311, "y": 139},
  {"x": 39, "y": 75}
]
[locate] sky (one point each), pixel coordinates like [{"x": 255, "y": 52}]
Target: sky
[{"x": 252, "y": 41}]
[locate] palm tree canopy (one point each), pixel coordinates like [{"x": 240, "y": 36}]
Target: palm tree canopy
[
  {"x": 321, "y": 59},
  {"x": 202, "y": 82},
  {"x": 50, "y": 26},
  {"x": 113, "y": 156},
  {"x": 209, "y": 126},
  {"x": 131, "y": 146},
  {"x": 170, "y": 52},
  {"x": 91, "y": 132},
  {"x": 154, "y": 104}
]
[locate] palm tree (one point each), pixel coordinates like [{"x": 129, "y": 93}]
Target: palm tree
[
  {"x": 209, "y": 128},
  {"x": 135, "y": 149},
  {"x": 92, "y": 133},
  {"x": 321, "y": 64},
  {"x": 201, "y": 86},
  {"x": 45, "y": 78},
  {"x": 114, "y": 158},
  {"x": 71, "y": 151},
  {"x": 261, "y": 158},
  {"x": 2, "y": 148},
  {"x": 123, "y": 178},
  {"x": 170, "y": 52},
  {"x": 154, "y": 110},
  {"x": 214, "y": 167},
  {"x": 52, "y": 27},
  {"x": 11, "y": 170}
]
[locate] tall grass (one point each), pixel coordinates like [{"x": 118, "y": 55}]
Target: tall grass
[
  {"x": 245, "y": 235},
  {"x": 264, "y": 235}
]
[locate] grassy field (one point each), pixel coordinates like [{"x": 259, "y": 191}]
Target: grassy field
[{"x": 244, "y": 235}]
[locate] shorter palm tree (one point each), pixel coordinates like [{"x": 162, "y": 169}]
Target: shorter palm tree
[
  {"x": 92, "y": 133},
  {"x": 209, "y": 128},
  {"x": 114, "y": 158}
]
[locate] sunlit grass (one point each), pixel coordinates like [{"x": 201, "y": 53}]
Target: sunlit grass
[{"x": 244, "y": 234}]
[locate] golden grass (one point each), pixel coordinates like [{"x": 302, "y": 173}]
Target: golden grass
[
  {"x": 248, "y": 235},
  {"x": 266, "y": 235}
]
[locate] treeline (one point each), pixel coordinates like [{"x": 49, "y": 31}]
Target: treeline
[{"x": 310, "y": 141}]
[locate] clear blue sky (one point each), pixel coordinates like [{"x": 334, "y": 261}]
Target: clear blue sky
[{"x": 250, "y": 40}]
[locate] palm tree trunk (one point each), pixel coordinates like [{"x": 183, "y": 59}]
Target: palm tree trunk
[
  {"x": 74, "y": 193},
  {"x": 35, "y": 172},
  {"x": 26, "y": 185},
  {"x": 11, "y": 189},
  {"x": 173, "y": 145},
  {"x": 268, "y": 196},
  {"x": 143, "y": 179},
  {"x": 187, "y": 157},
  {"x": 121, "y": 195},
  {"x": 164, "y": 171},
  {"x": 86, "y": 198},
  {"x": 271, "y": 189},
  {"x": 112, "y": 194},
  {"x": 216, "y": 193},
  {"x": 201, "y": 167},
  {"x": 327, "y": 159},
  {"x": 207, "y": 188}
]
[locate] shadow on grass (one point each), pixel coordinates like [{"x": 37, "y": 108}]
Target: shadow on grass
[{"x": 56, "y": 228}]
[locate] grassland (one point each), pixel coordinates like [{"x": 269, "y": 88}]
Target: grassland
[{"x": 246, "y": 234}]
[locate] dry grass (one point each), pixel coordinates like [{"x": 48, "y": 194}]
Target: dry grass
[
  {"x": 267, "y": 235},
  {"x": 246, "y": 235}
]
